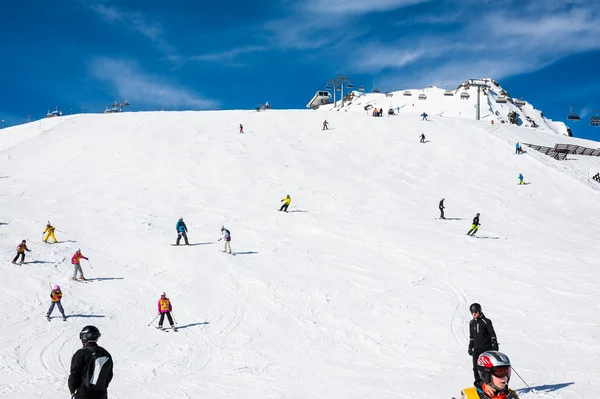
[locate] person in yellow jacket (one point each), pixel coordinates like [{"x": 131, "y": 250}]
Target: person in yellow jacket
[
  {"x": 21, "y": 248},
  {"x": 49, "y": 233},
  {"x": 494, "y": 370},
  {"x": 286, "y": 202},
  {"x": 55, "y": 297}
]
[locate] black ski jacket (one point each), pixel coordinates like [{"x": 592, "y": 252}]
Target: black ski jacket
[
  {"x": 78, "y": 363},
  {"x": 442, "y": 204},
  {"x": 476, "y": 220},
  {"x": 482, "y": 334}
]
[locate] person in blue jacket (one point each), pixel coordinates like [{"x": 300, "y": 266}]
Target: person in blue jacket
[
  {"x": 521, "y": 179},
  {"x": 181, "y": 231},
  {"x": 518, "y": 149}
]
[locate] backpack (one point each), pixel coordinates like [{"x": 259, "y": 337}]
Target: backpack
[
  {"x": 96, "y": 372},
  {"x": 228, "y": 235}
]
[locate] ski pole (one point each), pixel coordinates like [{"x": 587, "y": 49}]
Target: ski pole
[
  {"x": 60, "y": 231},
  {"x": 153, "y": 319},
  {"x": 89, "y": 264},
  {"x": 513, "y": 369},
  {"x": 173, "y": 314}
]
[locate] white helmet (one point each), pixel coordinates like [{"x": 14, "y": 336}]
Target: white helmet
[{"x": 490, "y": 362}]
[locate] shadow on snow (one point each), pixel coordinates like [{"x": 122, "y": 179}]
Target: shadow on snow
[{"x": 192, "y": 325}]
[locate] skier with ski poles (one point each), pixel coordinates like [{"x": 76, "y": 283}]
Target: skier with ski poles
[
  {"x": 49, "y": 233},
  {"x": 56, "y": 296},
  {"x": 227, "y": 238},
  {"x": 286, "y": 203},
  {"x": 21, "y": 248},
  {"x": 474, "y": 226},
  {"x": 165, "y": 308},
  {"x": 442, "y": 207},
  {"x": 76, "y": 261},
  {"x": 494, "y": 371}
]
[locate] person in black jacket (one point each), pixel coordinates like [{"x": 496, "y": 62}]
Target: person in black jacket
[
  {"x": 475, "y": 226},
  {"x": 91, "y": 367},
  {"x": 442, "y": 207},
  {"x": 482, "y": 336}
]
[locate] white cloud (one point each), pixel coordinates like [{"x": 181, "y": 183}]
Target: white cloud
[
  {"x": 229, "y": 55},
  {"x": 356, "y": 6},
  {"x": 130, "y": 83}
]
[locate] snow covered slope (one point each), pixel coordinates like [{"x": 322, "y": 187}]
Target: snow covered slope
[
  {"x": 358, "y": 292},
  {"x": 461, "y": 102}
]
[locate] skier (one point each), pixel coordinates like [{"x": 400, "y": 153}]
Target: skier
[
  {"x": 56, "y": 296},
  {"x": 521, "y": 179},
  {"x": 494, "y": 372},
  {"x": 286, "y": 203},
  {"x": 325, "y": 125},
  {"x": 76, "y": 261},
  {"x": 424, "y": 116},
  {"x": 518, "y": 149},
  {"x": 227, "y": 238},
  {"x": 241, "y": 128},
  {"x": 21, "y": 248},
  {"x": 181, "y": 231},
  {"x": 442, "y": 207},
  {"x": 49, "y": 233},
  {"x": 475, "y": 226},
  {"x": 165, "y": 308},
  {"x": 422, "y": 137},
  {"x": 482, "y": 336},
  {"x": 91, "y": 367}
]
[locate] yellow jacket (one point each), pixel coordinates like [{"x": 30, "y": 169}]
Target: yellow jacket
[
  {"x": 287, "y": 200},
  {"x": 56, "y": 296},
  {"x": 49, "y": 229}
]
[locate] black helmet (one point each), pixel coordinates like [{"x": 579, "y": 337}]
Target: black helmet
[
  {"x": 89, "y": 334},
  {"x": 475, "y": 307}
]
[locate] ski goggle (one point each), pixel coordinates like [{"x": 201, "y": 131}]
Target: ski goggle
[{"x": 501, "y": 372}]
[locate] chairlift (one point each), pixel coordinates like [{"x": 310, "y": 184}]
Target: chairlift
[
  {"x": 519, "y": 102},
  {"x": 422, "y": 97},
  {"x": 375, "y": 90},
  {"x": 501, "y": 100},
  {"x": 361, "y": 88},
  {"x": 595, "y": 120},
  {"x": 329, "y": 87},
  {"x": 573, "y": 116},
  {"x": 350, "y": 86},
  {"x": 449, "y": 93},
  {"x": 464, "y": 95},
  {"x": 407, "y": 93}
]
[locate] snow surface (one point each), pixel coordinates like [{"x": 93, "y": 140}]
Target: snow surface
[
  {"x": 436, "y": 103},
  {"x": 358, "y": 292}
]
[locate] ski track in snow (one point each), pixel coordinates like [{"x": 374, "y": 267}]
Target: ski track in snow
[{"x": 357, "y": 292}]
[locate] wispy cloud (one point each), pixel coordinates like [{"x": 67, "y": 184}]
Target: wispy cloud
[
  {"x": 137, "y": 22},
  {"x": 229, "y": 55},
  {"x": 356, "y": 6},
  {"x": 129, "y": 82}
]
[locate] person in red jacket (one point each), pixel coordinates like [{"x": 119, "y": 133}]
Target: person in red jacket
[
  {"x": 76, "y": 261},
  {"x": 165, "y": 308}
]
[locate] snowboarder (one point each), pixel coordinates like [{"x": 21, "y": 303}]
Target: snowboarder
[
  {"x": 241, "y": 128},
  {"x": 475, "y": 226},
  {"x": 49, "y": 233},
  {"x": 227, "y": 238},
  {"x": 494, "y": 372},
  {"x": 442, "y": 207},
  {"x": 422, "y": 137},
  {"x": 181, "y": 231},
  {"x": 76, "y": 261},
  {"x": 424, "y": 116},
  {"x": 521, "y": 179},
  {"x": 482, "y": 336},
  {"x": 56, "y": 296},
  {"x": 286, "y": 203},
  {"x": 518, "y": 149},
  {"x": 325, "y": 125},
  {"x": 21, "y": 248},
  {"x": 91, "y": 367},
  {"x": 165, "y": 308}
]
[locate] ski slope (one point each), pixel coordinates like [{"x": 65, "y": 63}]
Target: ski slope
[{"x": 358, "y": 292}]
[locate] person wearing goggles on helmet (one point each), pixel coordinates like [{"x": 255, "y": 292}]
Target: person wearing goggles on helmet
[{"x": 494, "y": 372}]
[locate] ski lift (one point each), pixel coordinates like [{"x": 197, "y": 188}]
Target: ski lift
[
  {"x": 422, "y": 97},
  {"x": 407, "y": 93},
  {"x": 519, "y": 102},
  {"x": 375, "y": 90},
  {"x": 573, "y": 116},
  {"x": 464, "y": 95},
  {"x": 329, "y": 87},
  {"x": 595, "y": 120},
  {"x": 501, "y": 100},
  {"x": 449, "y": 93},
  {"x": 361, "y": 88},
  {"x": 350, "y": 86}
]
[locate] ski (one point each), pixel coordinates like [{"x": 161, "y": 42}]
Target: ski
[
  {"x": 162, "y": 329},
  {"x": 48, "y": 318}
]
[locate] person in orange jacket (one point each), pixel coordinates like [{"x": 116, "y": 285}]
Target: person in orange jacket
[
  {"x": 76, "y": 261},
  {"x": 494, "y": 371},
  {"x": 165, "y": 308},
  {"x": 49, "y": 233},
  {"x": 56, "y": 296},
  {"x": 21, "y": 252}
]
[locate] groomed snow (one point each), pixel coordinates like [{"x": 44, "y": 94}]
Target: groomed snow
[{"x": 358, "y": 292}]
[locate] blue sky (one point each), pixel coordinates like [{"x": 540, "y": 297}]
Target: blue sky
[{"x": 220, "y": 55}]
